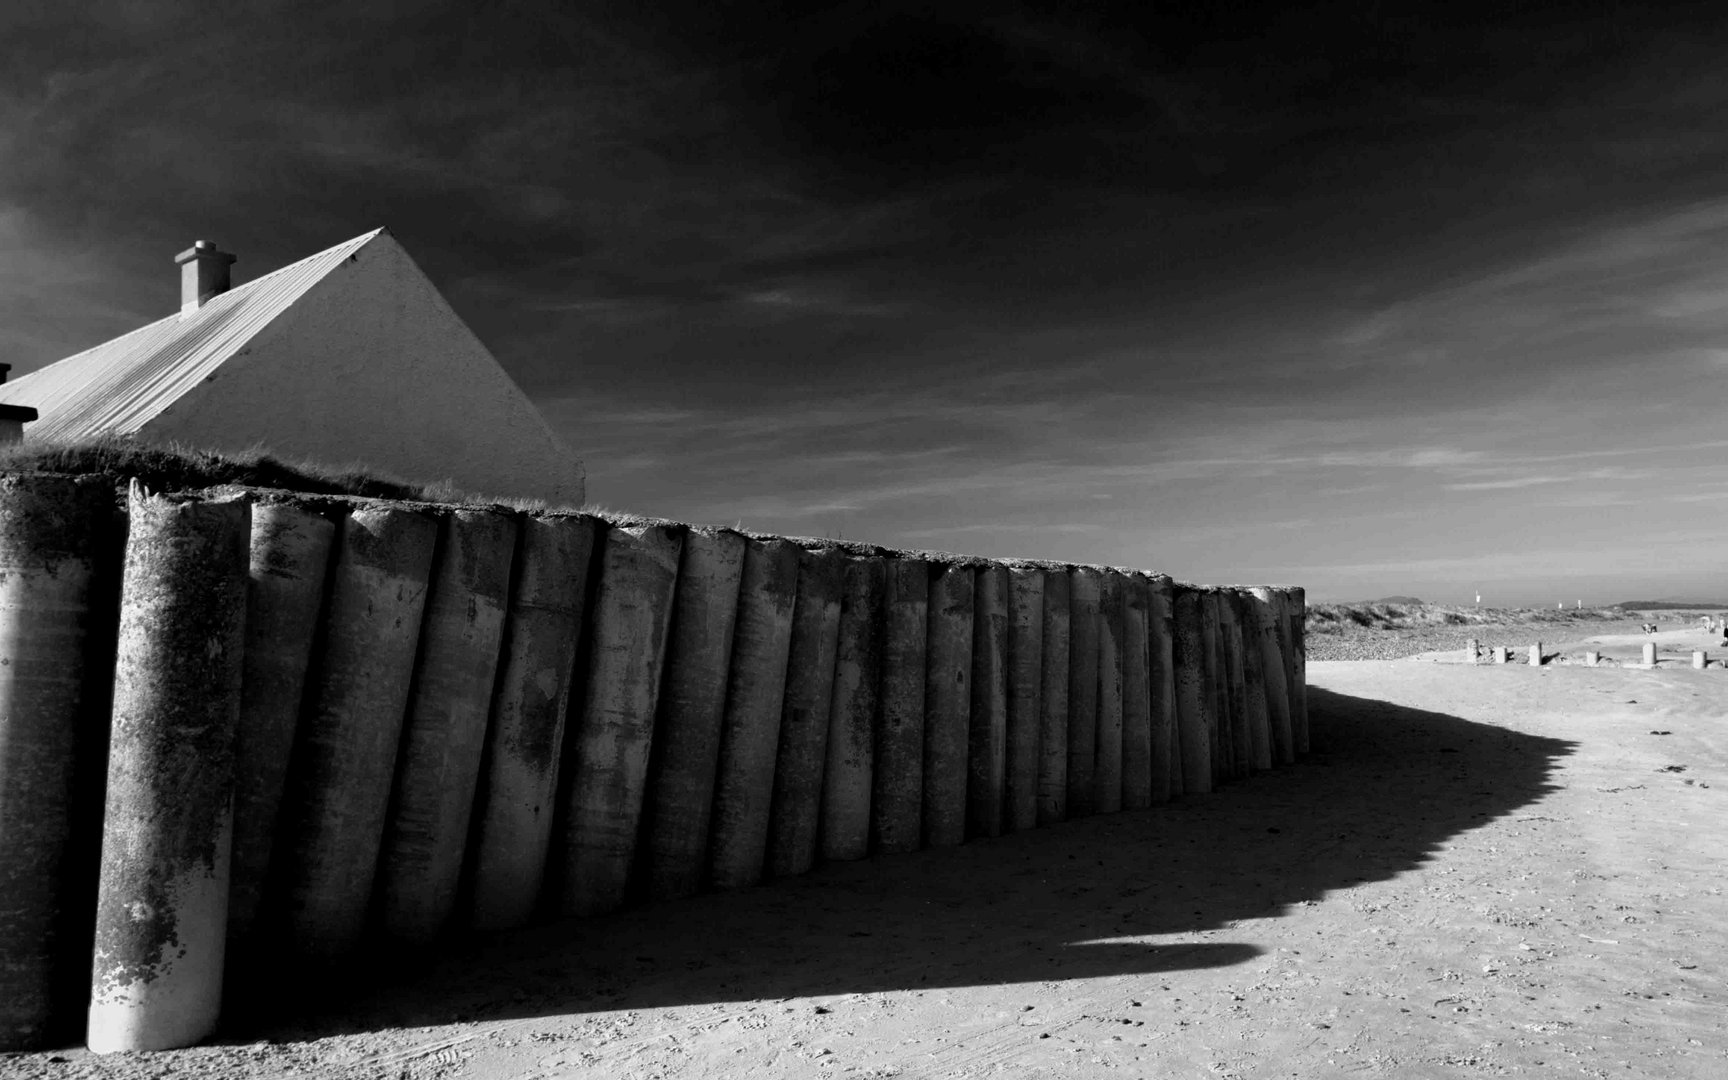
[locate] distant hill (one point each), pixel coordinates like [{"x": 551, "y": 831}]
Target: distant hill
[
  {"x": 1670, "y": 605},
  {"x": 1396, "y": 600}
]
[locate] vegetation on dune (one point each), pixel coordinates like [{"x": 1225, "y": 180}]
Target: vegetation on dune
[{"x": 1345, "y": 618}]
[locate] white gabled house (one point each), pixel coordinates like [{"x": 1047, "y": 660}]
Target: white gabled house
[{"x": 350, "y": 355}]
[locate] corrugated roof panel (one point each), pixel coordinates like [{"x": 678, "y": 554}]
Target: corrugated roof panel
[{"x": 121, "y": 385}]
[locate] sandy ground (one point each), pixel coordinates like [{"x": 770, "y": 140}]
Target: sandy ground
[{"x": 1480, "y": 871}]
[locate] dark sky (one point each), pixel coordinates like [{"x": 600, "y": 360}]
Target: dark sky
[{"x": 1370, "y": 297}]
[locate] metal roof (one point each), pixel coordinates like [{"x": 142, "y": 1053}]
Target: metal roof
[{"x": 121, "y": 385}]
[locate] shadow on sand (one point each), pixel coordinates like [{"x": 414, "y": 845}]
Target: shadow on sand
[{"x": 1384, "y": 787}]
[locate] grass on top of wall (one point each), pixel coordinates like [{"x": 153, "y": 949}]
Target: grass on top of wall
[{"x": 183, "y": 468}]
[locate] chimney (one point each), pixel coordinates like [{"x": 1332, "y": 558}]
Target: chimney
[{"x": 203, "y": 274}]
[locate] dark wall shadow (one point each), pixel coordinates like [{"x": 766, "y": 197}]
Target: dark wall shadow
[{"x": 1384, "y": 786}]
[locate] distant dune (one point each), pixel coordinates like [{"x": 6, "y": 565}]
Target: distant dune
[
  {"x": 1396, "y": 600},
  {"x": 1670, "y": 605}
]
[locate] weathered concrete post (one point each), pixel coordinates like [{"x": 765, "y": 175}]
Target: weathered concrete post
[
  {"x": 1699, "y": 659},
  {"x": 1086, "y": 592},
  {"x": 1296, "y": 661},
  {"x": 1107, "y": 762},
  {"x": 59, "y": 584},
  {"x": 948, "y": 704},
  {"x": 680, "y": 800},
  {"x": 290, "y": 557},
  {"x": 1193, "y": 710},
  {"x": 1235, "y": 673},
  {"x": 444, "y": 733},
  {"x": 755, "y": 697},
  {"x": 1536, "y": 655},
  {"x": 1136, "y": 696},
  {"x": 1649, "y": 654},
  {"x": 1501, "y": 655},
  {"x": 525, "y": 743},
  {"x": 987, "y": 740},
  {"x": 611, "y": 740},
  {"x": 1161, "y": 673},
  {"x": 1025, "y": 688},
  {"x": 852, "y": 722},
  {"x": 1592, "y": 658},
  {"x": 793, "y": 838},
  {"x": 1472, "y": 651},
  {"x": 1254, "y": 680},
  {"x": 1216, "y": 688},
  {"x": 897, "y": 796},
  {"x": 1277, "y": 686},
  {"x": 1053, "y": 702},
  {"x": 162, "y": 905},
  {"x": 338, "y": 790}
]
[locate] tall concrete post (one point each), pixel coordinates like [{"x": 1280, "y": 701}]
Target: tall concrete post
[
  {"x": 444, "y": 732},
  {"x": 525, "y": 742},
  {"x": 1086, "y": 592},
  {"x": 793, "y": 837},
  {"x": 1500, "y": 654},
  {"x": 1193, "y": 707},
  {"x": 611, "y": 740},
  {"x": 59, "y": 588},
  {"x": 1536, "y": 655},
  {"x": 338, "y": 789},
  {"x": 1296, "y": 662},
  {"x": 1161, "y": 676},
  {"x": 750, "y": 736},
  {"x": 987, "y": 742},
  {"x": 1216, "y": 687},
  {"x": 897, "y": 799},
  {"x": 162, "y": 904},
  {"x": 852, "y": 722},
  {"x": 1254, "y": 679},
  {"x": 948, "y": 703},
  {"x": 1136, "y": 696},
  {"x": 1592, "y": 658},
  {"x": 1025, "y": 688},
  {"x": 680, "y": 800},
  {"x": 1700, "y": 659},
  {"x": 1277, "y": 688},
  {"x": 1053, "y": 703},
  {"x": 1107, "y": 762},
  {"x": 289, "y": 561},
  {"x": 1235, "y": 673}
]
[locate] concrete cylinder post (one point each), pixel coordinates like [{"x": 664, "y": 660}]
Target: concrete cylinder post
[
  {"x": 1649, "y": 654},
  {"x": 1699, "y": 659},
  {"x": 1277, "y": 688},
  {"x": 1107, "y": 762},
  {"x": 162, "y": 904},
  {"x": 290, "y": 558},
  {"x": 59, "y": 584},
  {"x": 1161, "y": 678},
  {"x": 1193, "y": 707},
  {"x": 1296, "y": 662},
  {"x": 755, "y": 698},
  {"x": 1235, "y": 675},
  {"x": 852, "y": 722},
  {"x": 1472, "y": 651},
  {"x": 793, "y": 838},
  {"x": 1136, "y": 696},
  {"x": 1025, "y": 687},
  {"x": 1084, "y": 628},
  {"x": 987, "y": 742},
  {"x": 1053, "y": 701},
  {"x": 338, "y": 790},
  {"x": 897, "y": 799},
  {"x": 681, "y": 775},
  {"x": 608, "y": 749},
  {"x": 1498, "y": 654},
  {"x": 525, "y": 742},
  {"x": 1216, "y": 687},
  {"x": 947, "y": 703},
  {"x": 1536, "y": 655},
  {"x": 1254, "y": 680},
  {"x": 1592, "y": 658},
  {"x": 444, "y": 732}
]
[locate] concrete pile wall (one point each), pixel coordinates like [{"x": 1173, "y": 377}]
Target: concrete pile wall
[{"x": 334, "y": 726}]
